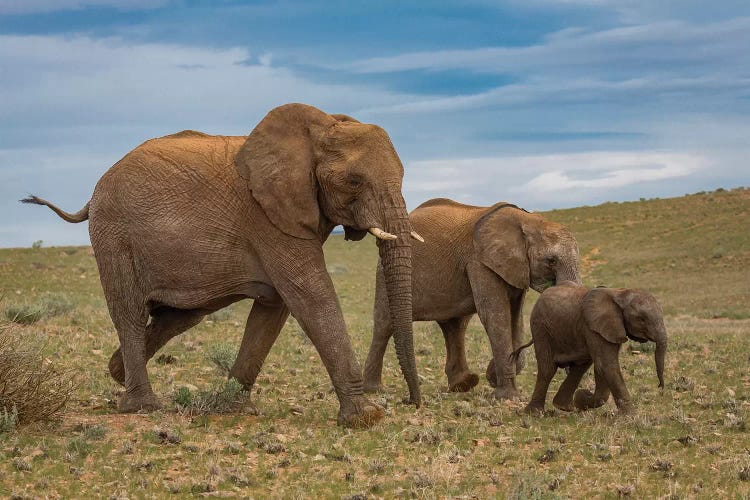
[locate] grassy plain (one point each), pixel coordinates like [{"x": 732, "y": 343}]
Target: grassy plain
[{"x": 691, "y": 440}]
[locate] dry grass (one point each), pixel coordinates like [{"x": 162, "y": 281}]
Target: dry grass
[
  {"x": 690, "y": 440},
  {"x": 32, "y": 387}
]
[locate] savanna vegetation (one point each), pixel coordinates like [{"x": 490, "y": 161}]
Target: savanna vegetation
[{"x": 690, "y": 440}]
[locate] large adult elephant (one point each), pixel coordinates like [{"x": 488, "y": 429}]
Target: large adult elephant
[
  {"x": 189, "y": 223},
  {"x": 476, "y": 260}
]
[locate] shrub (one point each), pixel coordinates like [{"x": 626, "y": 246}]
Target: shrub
[
  {"x": 8, "y": 420},
  {"x": 222, "y": 356},
  {"x": 224, "y": 398},
  {"x": 48, "y": 305},
  {"x": 33, "y": 389}
]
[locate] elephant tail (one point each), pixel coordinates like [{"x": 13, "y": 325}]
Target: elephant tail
[
  {"x": 514, "y": 354},
  {"x": 80, "y": 216}
]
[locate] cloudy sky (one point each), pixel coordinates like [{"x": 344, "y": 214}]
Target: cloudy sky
[{"x": 545, "y": 103}]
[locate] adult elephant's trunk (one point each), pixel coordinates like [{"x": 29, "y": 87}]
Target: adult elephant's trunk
[
  {"x": 569, "y": 270},
  {"x": 659, "y": 355},
  {"x": 395, "y": 257}
]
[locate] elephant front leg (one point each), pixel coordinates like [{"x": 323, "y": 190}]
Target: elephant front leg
[
  {"x": 587, "y": 400},
  {"x": 493, "y": 302},
  {"x": 311, "y": 299},
  {"x": 261, "y": 331}
]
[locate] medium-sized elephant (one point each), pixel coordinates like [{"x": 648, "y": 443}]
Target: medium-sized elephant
[
  {"x": 574, "y": 326},
  {"x": 476, "y": 260}
]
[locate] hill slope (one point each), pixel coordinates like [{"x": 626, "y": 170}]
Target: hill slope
[{"x": 693, "y": 251}]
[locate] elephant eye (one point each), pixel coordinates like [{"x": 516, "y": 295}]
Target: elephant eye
[
  {"x": 355, "y": 181},
  {"x": 551, "y": 260}
]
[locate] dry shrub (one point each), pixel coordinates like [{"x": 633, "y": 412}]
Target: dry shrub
[{"x": 31, "y": 387}]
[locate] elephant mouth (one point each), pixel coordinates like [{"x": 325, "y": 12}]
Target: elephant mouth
[
  {"x": 352, "y": 234},
  {"x": 541, "y": 286}
]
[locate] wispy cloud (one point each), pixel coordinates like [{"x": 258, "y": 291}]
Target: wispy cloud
[{"x": 538, "y": 180}]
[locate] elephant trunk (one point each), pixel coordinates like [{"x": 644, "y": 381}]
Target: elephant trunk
[
  {"x": 568, "y": 271},
  {"x": 395, "y": 257},
  {"x": 659, "y": 355}
]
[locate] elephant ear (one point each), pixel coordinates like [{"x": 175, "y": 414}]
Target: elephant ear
[
  {"x": 501, "y": 245},
  {"x": 604, "y": 316},
  {"x": 278, "y": 160}
]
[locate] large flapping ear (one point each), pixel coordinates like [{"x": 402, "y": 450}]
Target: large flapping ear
[
  {"x": 604, "y": 316},
  {"x": 501, "y": 245},
  {"x": 278, "y": 160}
]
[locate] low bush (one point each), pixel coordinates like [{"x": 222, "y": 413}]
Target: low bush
[
  {"x": 33, "y": 388},
  {"x": 226, "y": 397},
  {"x": 48, "y": 306}
]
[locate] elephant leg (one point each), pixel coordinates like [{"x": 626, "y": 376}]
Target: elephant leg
[
  {"x": 311, "y": 299},
  {"x": 517, "y": 332},
  {"x": 609, "y": 364},
  {"x": 129, "y": 314},
  {"x": 563, "y": 400},
  {"x": 460, "y": 379},
  {"x": 264, "y": 323},
  {"x": 165, "y": 325},
  {"x": 545, "y": 371},
  {"x": 381, "y": 333},
  {"x": 492, "y": 298},
  {"x": 586, "y": 400}
]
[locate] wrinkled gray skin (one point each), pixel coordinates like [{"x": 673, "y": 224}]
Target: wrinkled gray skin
[
  {"x": 476, "y": 260},
  {"x": 574, "y": 326},
  {"x": 189, "y": 223}
]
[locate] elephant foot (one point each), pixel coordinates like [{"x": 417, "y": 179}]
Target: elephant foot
[
  {"x": 117, "y": 368},
  {"x": 132, "y": 403},
  {"x": 625, "y": 408},
  {"x": 508, "y": 392},
  {"x": 491, "y": 374},
  {"x": 534, "y": 409},
  {"x": 463, "y": 383},
  {"x": 563, "y": 407},
  {"x": 244, "y": 379},
  {"x": 360, "y": 414},
  {"x": 585, "y": 400},
  {"x": 563, "y": 404}
]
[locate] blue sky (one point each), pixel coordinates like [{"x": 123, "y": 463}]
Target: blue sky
[{"x": 545, "y": 103}]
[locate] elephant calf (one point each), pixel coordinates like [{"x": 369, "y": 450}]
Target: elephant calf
[{"x": 574, "y": 326}]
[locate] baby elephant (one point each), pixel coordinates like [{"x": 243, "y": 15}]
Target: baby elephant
[{"x": 574, "y": 326}]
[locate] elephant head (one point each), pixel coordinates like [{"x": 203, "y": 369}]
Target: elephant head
[
  {"x": 310, "y": 171},
  {"x": 525, "y": 249},
  {"x": 619, "y": 314}
]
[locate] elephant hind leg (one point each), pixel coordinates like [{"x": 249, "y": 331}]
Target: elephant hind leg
[
  {"x": 166, "y": 323},
  {"x": 563, "y": 400},
  {"x": 460, "y": 379},
  {"x": 129, "y": 312}
]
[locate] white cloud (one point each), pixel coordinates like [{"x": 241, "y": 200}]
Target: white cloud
[
  {"x": 567, "y": 50},
  {"x": 546, "y": 181}
]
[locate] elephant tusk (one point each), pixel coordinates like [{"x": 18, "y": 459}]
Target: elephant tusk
[
  {"x": 417, "y": 237},
  {"x": 380, "y": 234}
]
